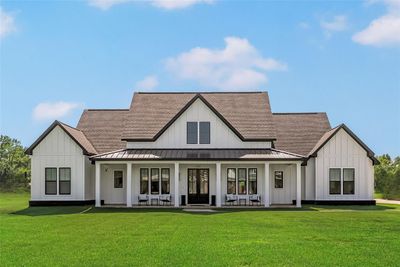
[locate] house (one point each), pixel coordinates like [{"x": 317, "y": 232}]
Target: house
[{"x": 219, "y": 149}]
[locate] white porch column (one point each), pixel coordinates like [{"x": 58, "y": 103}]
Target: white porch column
[
  {"x": 267, "y": 200},
  {"x": 129, "y": 184},
  {"x": 97, "y": 191},
  {"x": 176, "y": 185},
  {"x": 218, "y": 187},
  {"x": 298, "y": 185}
]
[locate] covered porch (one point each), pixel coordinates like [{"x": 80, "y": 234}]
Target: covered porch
[{"x": 182, "y": 178}]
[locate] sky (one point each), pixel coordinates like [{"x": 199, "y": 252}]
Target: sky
[{"x": 341, "y": 57}]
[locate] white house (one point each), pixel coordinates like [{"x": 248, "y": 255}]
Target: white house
[{"x": 219, "y": 149}]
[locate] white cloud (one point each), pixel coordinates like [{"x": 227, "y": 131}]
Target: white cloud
[
  {"x": 148, "y": 83},
  {"x": 238, "y": 66},
  {"x": 383, "y": 31},
  {"x": 339, "y": 23},
  {"x": 163, "y": 4},
  {"x": 53, "y": 110},
  {"x": 7, "y": 23},
  {"x": 304, "y": 25}
]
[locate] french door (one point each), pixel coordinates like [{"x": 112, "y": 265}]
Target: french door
[{"x": 198, "y": 186}]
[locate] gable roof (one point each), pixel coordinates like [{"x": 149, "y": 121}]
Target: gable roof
[
  {"x": 75, "y": 134},
  {"x": 248, "y": 115},
  {"x": 299, "y": 132},
  {"x": 328, "y": 135},
  {"x": 103, "y": 127}
]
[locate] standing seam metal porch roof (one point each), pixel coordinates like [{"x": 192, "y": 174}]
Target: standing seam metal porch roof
[{"x": 198, "y": 154}]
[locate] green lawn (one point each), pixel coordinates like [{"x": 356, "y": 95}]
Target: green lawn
[{"x": 313, "y": 236}]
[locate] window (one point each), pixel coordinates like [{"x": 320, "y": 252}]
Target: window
[
  {"x": 242, "y": 181},
  {"x": 191, "y": 132},
  {"x": 118, "y": 179},
  {"x": 204, "y": 132},
  {"x": 155, "y": 181},
  {"x": 50, "y": 181},
  {"x": 278, "y": 179},
  {"x": 231, "y": 179},
  {"x": 165, "y": 181},
  {"x": 252, "y": 181},
  {"x": 334, "y": 181},
  {"x": 64, "y": 181},
  {"x": 348, "y": 181},
  {"x": 144, "y": 181}
]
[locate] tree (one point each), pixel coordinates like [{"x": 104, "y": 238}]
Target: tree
[
  {"x": 387, "y": 177},
  {"x": 14, "y": 164}
]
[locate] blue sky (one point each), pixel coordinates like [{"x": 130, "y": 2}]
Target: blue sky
[{"x": 58, "y": 57}]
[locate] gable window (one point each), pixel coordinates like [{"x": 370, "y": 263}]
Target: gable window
[
  {"x": 204, "y": 132},
  {"x": 348, "y": 181},
  {"x": 50, "y": 181},
  {"x": 155, "y": 181},
  {"x": 118, "y": 179},
  {"x": 165, "y": 181},
  {"x": 191, "y": 132},
  {"x": 334, "y": 181},
  {"x": 64, "y": 181},
  {"x": 252, "y": 181},
  {"x": 242, "y": 181},
  {"x": 278, "y": 179},
  {"x": 231, "y": 180},
  {"x": 144, "y": 181}
]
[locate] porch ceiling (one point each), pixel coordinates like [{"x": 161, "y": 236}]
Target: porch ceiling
[{"x": 198, "y": 154}]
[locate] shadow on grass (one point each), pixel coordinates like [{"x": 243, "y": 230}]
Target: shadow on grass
[{"x": 66, "y": 210}]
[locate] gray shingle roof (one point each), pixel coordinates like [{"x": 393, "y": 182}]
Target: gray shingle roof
[
  {"x": 299, "y": 132},
  {"x": 247, "y": 114}
]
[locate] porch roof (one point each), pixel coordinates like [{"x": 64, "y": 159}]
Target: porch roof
[{"x": 198, "y": 154}]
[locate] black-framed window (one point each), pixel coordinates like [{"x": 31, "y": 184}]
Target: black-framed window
[
  {"x": 252, "y": 181},
  {"x": 165, "y": 181},
  {"x": 144, "y": 181},
  {"x": 278, "y": 177},
  {"x": 242, "y": 181},
  {"x": 231, "y": 181},
  {"x": 64, "y": 180},
  {"x": 204, "y": 132},
  {"x": 118, "y": 179},
  {"x": 348, "y": 181},
  {"x": 155, "y": 181},
  {"x": 192, "y": 132},
  {"x": 50, "y": 181},
  {"x": 334, "y": 181}
]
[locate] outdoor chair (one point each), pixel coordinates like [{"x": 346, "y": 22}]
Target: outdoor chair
[
  {"x": 231, "y": 199},
  {"x": 143, "y": 199},
  {"x": 165, "y": 199},
  {"x": 255, "y": 199}
]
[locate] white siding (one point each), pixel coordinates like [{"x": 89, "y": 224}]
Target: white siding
[
  {"x": 342, "y": 151},
  {"x": 309, "y": 181},
  {"x": 57, "y": 150},
  {"x": 287, "y": 194},
  {"x": 89, "y": 179},
  {"x": 221, "y": 135}
]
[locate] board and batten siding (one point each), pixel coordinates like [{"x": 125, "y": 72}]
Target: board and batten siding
[
  {"x": 57, "y": 150},
  {"x": 221, "y": 136},
  {"x": 342, "y": 151}
]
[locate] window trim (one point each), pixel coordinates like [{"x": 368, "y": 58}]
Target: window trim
[
  {"x": 197, "y": 132},
  {"x": 245, "y": 181},
  {"x": 161, "y": 181},
  {"x": 227, "y": 180},
  {"x": 54, "y": 181},
  {"x": 59, "y": 180},
  {"x": 340, "y": 181},
  {"x": 354, "y": 181},
  {"x": 283, "y": 183},
  {"x": 248, "y": 181},
  {"x": 209, "y": 132},
  {"x": 116, "y": 170},
  {"x": 140, "y": 181},
  {"x": 151, "y": 181}
]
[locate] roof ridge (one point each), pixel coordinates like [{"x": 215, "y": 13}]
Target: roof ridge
[
  {"x": 107, "y": 109},
  {"x": 299, "y": 113},
  {"x": 202, "y": 92}
]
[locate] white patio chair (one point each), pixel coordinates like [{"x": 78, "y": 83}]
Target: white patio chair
[
  {"x": 143, "y": 199},
  {"x": 255, "y": 199},
  {"x": 230, "y": 198}
]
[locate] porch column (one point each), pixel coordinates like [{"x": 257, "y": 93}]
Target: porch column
[
  {"x": 218, "y": 172},
  {"x": 298, "y": 185},
  {"x": 97, "y": 191},
  {"x": 266, "y": 185},
  {"x": 176, "y": 185},
  {"x": 129, "y": 184}
]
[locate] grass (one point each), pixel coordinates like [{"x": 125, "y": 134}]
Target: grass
[{"x": 85, "y": 236}]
